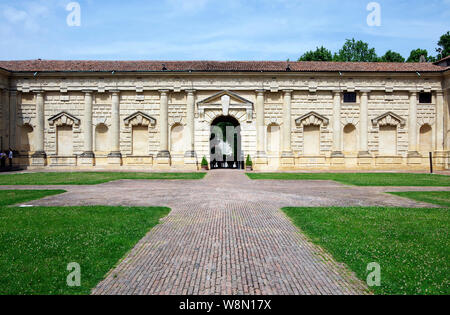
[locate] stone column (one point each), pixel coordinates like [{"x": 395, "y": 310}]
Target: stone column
[
  {"x": 12, "y": 119},
  {"x": 88, "y": 154},
  {"x": 412, "y": 129},
  {"x": 287, "y": 124},
  {"x": 115, "y": 157},
  {"x": 40, "y": 157},
  {"x": 260, "y": 129},
  {"x": 163, "y": 157},
  {"x": 337, "y": 132},
  {"x": 190, "y": 135},
  {"x": 440, "y": 121},
  {"x": 364, "y": 125}
]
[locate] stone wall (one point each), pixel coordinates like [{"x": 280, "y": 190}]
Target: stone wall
[{"x": 311, "y": 98}]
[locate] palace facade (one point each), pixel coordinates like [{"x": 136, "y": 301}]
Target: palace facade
[{"x": 156, "y": 115}]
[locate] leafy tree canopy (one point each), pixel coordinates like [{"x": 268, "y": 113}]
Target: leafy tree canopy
[
  {"x": 320, "y": 54},
  {"x": 392, "y": 56},
  {"x": 354, "y": 51},
  {"x": 444, "y": 46},
  {"x": 416, "y": 55}
]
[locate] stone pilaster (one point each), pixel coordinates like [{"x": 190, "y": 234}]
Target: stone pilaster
[
  {"x": 364, "y": 125},
  {"x": 287, "y": 156},
  {"x": 40, "y": 157},
  {"x": 163, "y": 158},
  {"x": 440, "y": 154},
  {"x": 440, "y": 121},
  {"x": 261, "y": 155},
  {"x": 12, "y": 119},
  {"x": 412, "y": 127},
  {"x": 5, "y": 123},
  {"x": 87, "y": 158},
  {"x": 447, "y": 118},
  {"x": 190, "y": 157},
  {"x": 337, "y": 132},
  {"x": 115, "y": 157},
  {"x": 190, "y": 114}
]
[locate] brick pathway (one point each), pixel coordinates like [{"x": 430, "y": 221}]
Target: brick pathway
[{"x": 227, "y": 235}]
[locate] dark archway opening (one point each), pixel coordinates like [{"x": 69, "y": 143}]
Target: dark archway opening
[{"x": 225, "y": 144}]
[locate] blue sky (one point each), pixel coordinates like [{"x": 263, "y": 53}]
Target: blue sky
[{"x": 213, "y": 29}]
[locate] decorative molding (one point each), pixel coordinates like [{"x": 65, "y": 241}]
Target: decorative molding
[
  {"x": 64, "y": 119},
  {"x": 389, "y": 118},
  {"x": 312, "y": 118},
  {"x": 273, "y": 121},
  {"x": 101, "y": 120},
  {"x": 140, "y": 119},
  {"x": 215, "y": 82},
  {"x": 176, "y": 120},
  {"x": 225, "y": 101},
  {"x": 350, "y": 121},
  {"x": 425, "y": 121}
]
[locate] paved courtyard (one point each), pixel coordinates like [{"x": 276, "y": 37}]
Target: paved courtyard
[{"x": 226, "y": 234}]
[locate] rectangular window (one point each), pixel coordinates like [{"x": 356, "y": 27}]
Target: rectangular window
[
  {"x": 425, "y": 98},
  {"x": 350, "y": 97}
]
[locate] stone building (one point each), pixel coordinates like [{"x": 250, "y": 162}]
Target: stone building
[{"x": 285, "y": 115}]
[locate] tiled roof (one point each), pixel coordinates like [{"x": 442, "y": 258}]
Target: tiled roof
[
  {"x": 212, "y": 66},
  {"x": 443, "y": 59}
]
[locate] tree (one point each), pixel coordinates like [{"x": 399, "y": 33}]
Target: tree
[
  {"x": 416, "y": 55},
  {"x": 356, "y": 51},
  {"x": 392, "y": 56},
  {"x": 444, "y": 46},
  {"x": 320, "y": 54}
]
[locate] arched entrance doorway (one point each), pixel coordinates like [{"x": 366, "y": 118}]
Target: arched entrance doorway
[{"x": 225, "y": 144}]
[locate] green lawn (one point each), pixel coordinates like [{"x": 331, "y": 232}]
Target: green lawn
[
  {"x": 411, "y": 245},
  {"x": 37, "y": 244},
  {"x": 362, "y": 179},
  {"x": 441, "y": 198},
  {"x": 12, "y": 197},
  {"x": 87, "y": 178}
]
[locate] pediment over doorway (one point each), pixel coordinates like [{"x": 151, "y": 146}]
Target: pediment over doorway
[
  {"x": 226, "y": 101},
  {"x": 140, "y": 119},
  {"x": 389, "y": 118},
  {"x": 64, "y": 118},
  {"x": 312, "y": 118}
]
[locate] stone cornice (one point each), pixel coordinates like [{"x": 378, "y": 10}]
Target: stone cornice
[{"x": 224, "y": 82}]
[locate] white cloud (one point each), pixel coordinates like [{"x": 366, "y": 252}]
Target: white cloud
[
  {"x": 187, "y": 5},
  {"x": 13, "y": 15},
  {"x": 28, "y": 16}
]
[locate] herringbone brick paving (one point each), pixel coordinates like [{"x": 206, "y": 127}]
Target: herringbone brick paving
[{"x": 227, "y": 235}]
